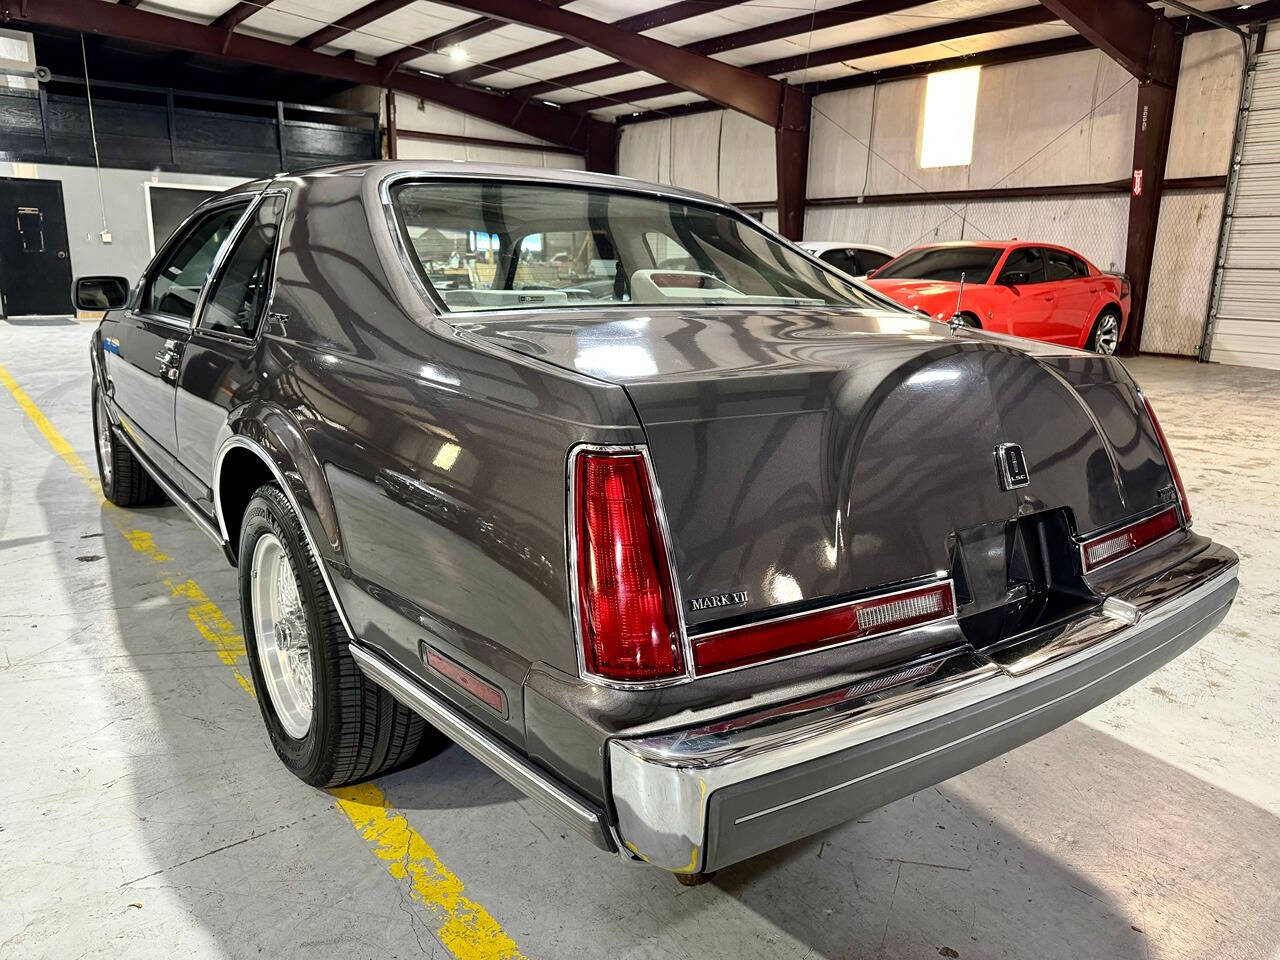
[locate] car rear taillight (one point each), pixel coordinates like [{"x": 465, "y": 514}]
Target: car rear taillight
[
  {"x": 626, "y": 604},
  {"x": 1173, "y": 467},
  {"x": 1120, "y": 543},
  {"x": 754, "y": 643}
]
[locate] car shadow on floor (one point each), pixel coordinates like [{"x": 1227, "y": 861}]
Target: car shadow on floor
[{"x": 1077, "y": 845}]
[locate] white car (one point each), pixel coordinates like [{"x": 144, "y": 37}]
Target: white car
[{"x": 855, "y": 259}]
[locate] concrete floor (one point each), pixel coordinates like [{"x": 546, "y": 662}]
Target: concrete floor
[{"x": 143, "y": 813}]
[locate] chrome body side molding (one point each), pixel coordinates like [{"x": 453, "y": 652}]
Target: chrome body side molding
[{"x": 574, "y": 811}]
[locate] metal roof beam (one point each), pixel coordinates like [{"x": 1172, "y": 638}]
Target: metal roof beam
[
  {"x": 637, "y": 23},
  {"x": 585, "y": 134},
  {"x": 1128, "y": 31},
  {"x": 449, "y": 38},
  {"x": 778, "y": 30},
  {"x": 955, "y": 30},
  {"x": 732, "y": 87}
]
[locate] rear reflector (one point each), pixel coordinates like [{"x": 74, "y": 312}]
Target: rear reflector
[
  {"x": 626, "y": 605},
  {"x": 482, "y": 690},
  {"x": 1121, "y": 543},
  {"x": 758, "y": 642},
  {"x": 1173, "y": 467}
]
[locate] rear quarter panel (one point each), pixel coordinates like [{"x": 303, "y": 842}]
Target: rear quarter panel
[{"x": 446, "y": 461}]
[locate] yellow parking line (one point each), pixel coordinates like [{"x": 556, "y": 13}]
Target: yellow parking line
[{"x": 466, "y": 929}]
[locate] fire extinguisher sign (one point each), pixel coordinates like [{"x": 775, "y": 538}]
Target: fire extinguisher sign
[{"x": 1137, "y": 183}]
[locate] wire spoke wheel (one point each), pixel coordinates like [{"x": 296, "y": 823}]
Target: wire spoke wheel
[
  {"x": 282, "y": 636},
  {"x": 106, "y": 453}
]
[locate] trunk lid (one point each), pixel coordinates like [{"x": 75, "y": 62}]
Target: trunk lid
[{"x": 807, "y": 455}]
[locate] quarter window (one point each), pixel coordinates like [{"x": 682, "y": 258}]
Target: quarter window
[
  {"x": 240, "y": 292},
  {"x": 176, "y": 284},
  {"x": 1060, "y": 265}
]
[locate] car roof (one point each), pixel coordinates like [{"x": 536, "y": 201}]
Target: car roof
[{"x": 512, "y": 172}]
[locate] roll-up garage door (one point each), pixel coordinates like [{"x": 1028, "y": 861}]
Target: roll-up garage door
[{"x": 1246, "y": 320}]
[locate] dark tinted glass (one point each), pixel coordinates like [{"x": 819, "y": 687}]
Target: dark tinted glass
[
  {"x": 871, "y": 260},
  {"x": 240, "y": 292},
  {"x": 1025, "y": 265},
  {"x": 1060, "y": 265},
  {"x": 842, "y": 260},
  {"x": 487, "y": 245},
  {"x": 176, "y": 285},
  {"x": 943, "y": 263}
]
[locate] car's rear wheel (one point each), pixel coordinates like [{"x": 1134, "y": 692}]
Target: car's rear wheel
[
  {"x": 1105, "y": 336},
  {"x": 125, "y": 482},
  {"x": 328, "y": 723}
]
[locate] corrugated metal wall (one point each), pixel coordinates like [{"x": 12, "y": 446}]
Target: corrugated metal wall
[
  {"x": 1247, "y": 327},
  {"x": 419, "y": 115}
]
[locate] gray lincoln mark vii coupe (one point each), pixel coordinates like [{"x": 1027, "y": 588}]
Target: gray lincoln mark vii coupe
[{"x": 692, "y": 539}]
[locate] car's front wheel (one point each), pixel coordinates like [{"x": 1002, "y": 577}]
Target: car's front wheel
[
  {"x": 329, "y": 724},
  {"x": 1106, "y": 332},
  {"x": 125, "y": 482}
]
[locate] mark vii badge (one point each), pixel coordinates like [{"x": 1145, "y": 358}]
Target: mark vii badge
[{"x": 735, "y": 599}]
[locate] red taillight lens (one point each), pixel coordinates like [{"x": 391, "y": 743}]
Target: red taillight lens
[
  {"x": 1173, "y": 467},
  {"x": 1120, "y": 543},
  {"x": 625, "y": 599},
  {"x": 739, "y": 646}
]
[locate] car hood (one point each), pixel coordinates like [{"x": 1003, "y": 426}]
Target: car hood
[{"x": 918, "y": 293}]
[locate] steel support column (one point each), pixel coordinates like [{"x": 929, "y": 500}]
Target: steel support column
[
  {"x": 1150, "y": 153},
  {"x": 792, "y": 148}
]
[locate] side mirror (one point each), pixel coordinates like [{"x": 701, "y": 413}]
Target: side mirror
[
  {"x": 100, "y": 293},
  {"x": 1015, "y": 277}
]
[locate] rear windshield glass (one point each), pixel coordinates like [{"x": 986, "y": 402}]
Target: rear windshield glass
[
  {"x": 943, "y": 263},
  {"x": 488, "y": 245}
]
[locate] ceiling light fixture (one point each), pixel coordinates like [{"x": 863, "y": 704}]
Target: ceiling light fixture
[{"x": 457, "y": 53}]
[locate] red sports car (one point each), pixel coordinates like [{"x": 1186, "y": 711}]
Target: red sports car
[{"x": 1038, "y": 290}]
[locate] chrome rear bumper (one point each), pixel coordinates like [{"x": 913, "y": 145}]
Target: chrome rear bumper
[{"x": 699, "y": 799}]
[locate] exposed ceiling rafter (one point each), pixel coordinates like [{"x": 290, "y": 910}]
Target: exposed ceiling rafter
[
  {"x": 449, "y": 38},
  {"x": 585, "y": 134},
  {"x": 733, "y": 87},
  {"x": 778, "y": 30},
  {"x": 637, "y": 23},
  {"x": 1128, "y": 31},
  {"x": 894, "y": 43}
]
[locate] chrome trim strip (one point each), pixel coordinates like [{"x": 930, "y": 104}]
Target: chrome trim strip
[
  {"x": 872, "y": 598},
  {"x": 490, "y": 751},
  {"x": 571, "y": 541},
  {"x": 661, "y": 784},
  {"x": 238, "y": 440},
  {"x": 172, "y": 492}
]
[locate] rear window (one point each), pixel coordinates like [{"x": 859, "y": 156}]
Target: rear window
[
  {"x": 943, "y": 263},
  {"x": 489, "y": 245}
]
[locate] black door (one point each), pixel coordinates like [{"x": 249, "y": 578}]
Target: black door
[{"x": 35, "y": 267}]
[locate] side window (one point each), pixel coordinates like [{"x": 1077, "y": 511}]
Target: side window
[
  {"x": 1082, "y": 268},
  {"x": 871, "y": 260},
  {"x": 239, "y": 293},
  {"x": 1060, "y": 265},
  {"x": 842, "y": 260},
  {"x": 1024, "y": 265},
  {"x": 175, "y": 286}
]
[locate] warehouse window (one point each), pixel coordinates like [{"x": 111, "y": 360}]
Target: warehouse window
[{"x": 950, "y": 107}]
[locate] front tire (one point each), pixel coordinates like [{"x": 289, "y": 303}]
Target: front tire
[
  {"x": 328, "y": 723},
  {"x": 1105, "y": 336},
  {"x": 125, "y": 482}
]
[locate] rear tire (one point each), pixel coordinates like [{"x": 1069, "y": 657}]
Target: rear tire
[
  {"x": 328, "y": 723},
  {"x": 125, "y": 481},
  {"x": 1105, "y": 335}
]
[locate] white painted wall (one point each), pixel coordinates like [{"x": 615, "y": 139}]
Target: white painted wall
[
  {"x": 421, "y": 115},
  {"x": 124, "y": 193},
  {"x": 722, "y": 153}
]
